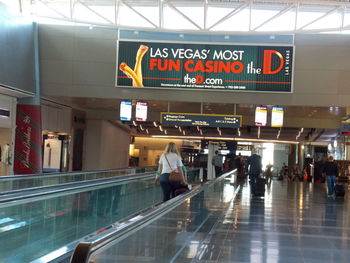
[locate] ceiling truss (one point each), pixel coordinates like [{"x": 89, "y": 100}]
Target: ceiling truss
[{"x": 280, "y": 7}]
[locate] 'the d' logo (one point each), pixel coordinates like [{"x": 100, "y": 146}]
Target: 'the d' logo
[
  {"x": 199, "y": 79},
  {"x": 267, "y": 69}
]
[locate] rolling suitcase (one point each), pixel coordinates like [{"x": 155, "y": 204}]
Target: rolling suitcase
[
  {"x": 181, "y": 190},
  {"x": 339, "y": 190},
  {"x": 260, "y": 187}
]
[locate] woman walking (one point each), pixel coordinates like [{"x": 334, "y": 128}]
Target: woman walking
[{"x": 170, "y": 161}]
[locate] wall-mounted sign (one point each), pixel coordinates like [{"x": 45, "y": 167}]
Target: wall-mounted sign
[
  {"x": 206, "y": 120},
  {"x": 261, "y": 116},
  {"x": 125, "y": 110},
  {"x": 205, "y": 66},
  {"x": 141, "y": 111},
  {"x": 277, "y": 117}
]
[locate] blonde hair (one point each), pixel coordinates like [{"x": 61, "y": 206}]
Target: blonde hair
[{"x": 171, "y": 148}]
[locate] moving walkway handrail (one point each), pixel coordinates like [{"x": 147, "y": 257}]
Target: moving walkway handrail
[
  {"x": 23, "y": 194},
  {"x": 68, "y": 187},
  {"x": 14, "y": 183},
  {"x": 59, "y": 174},
  {"x": 85, "y": 249}
]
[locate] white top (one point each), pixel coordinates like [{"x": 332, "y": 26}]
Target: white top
[{"x": 174, "y": 161}]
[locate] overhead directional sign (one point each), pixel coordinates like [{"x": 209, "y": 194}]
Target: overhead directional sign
[{"x": 203, "y": 120}]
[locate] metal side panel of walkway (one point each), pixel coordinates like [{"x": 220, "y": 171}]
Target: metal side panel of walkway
[{"x": 295, "y": 222}]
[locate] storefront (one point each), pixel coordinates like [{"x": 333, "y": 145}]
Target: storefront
[{"x": 56, "y": 137}]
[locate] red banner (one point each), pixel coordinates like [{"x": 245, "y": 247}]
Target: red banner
[{"x": 28, "y": 140}]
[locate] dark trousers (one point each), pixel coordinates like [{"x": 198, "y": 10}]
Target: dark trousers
[
  {"x": 252, "y": 181},
  {"x": 217, "y": 171},
  {"x": 168, "y": 187}
]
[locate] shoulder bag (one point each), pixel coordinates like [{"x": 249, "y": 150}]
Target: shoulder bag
[{"x": 175, "y": 175}]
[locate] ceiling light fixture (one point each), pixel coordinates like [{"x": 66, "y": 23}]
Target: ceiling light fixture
[
  {"x": 134, "y": 123},
  {"x": 155, "y": 124},
  {"x": 160, "y": 128}
]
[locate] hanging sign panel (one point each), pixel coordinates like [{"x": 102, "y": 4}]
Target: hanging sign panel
[
  {"x": 125, "y": 110},
  {"x": 261, "y": 116},
  {"x": 205, "y": 66},
  {"x": 277, "y": 117},
  {"x": 202, "y": 120},
  {"x": 141, "y": 111}
]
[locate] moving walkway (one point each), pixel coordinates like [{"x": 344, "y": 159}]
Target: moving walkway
[
  {"x": 167, "y": 233},
  {"x": 44, "y": 223}
]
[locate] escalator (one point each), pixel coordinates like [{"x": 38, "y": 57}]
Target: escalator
[{"x": 44, "y": 224}]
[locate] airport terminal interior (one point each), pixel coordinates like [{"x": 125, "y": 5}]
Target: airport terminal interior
[{"x": 104, "y": 102}]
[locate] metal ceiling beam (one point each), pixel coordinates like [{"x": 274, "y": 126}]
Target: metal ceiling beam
[
  {"x": 283, "y": 11},
  {"x": 296, "y": 16},
  {"x": 96, "y": 13},
  {"x": 205, "y": 14},
  {"x": 298, "y": 4},
  {"x": 54, "y": 10},
  {"x": 160, "y": 13},
  {"x": 182, "y": 14},
  {"x": 137, "y": 12},
  {"x": 311, "y": 2},
  {"x": 20, "y": 4},
  {"x": 232, "y": 13},
  {"x": 116, "y": 11},
  {"x": 319, "y": 18}
]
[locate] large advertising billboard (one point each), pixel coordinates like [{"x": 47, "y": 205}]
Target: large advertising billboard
[{"x": 205, "y": 66}]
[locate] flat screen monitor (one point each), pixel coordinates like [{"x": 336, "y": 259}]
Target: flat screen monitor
[
  {"x": 261, "y": 116},
  {"x": 141, "y": 111},
  {"x": 277, "y": 117},
  {"x": 125, "y": 110}
]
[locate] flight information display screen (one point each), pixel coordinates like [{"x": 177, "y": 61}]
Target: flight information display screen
[
  {"x": 141, "y": 111},
  {"x": 277, "y": 117},
  {"x": 125, "y": 110},
  {"x": 261, "y": 116}
]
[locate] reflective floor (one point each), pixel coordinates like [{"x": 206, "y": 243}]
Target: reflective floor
[{"x": 295, "y": 222}]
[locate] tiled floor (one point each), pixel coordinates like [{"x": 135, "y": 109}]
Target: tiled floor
[{"x": 295, "y": 222}]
